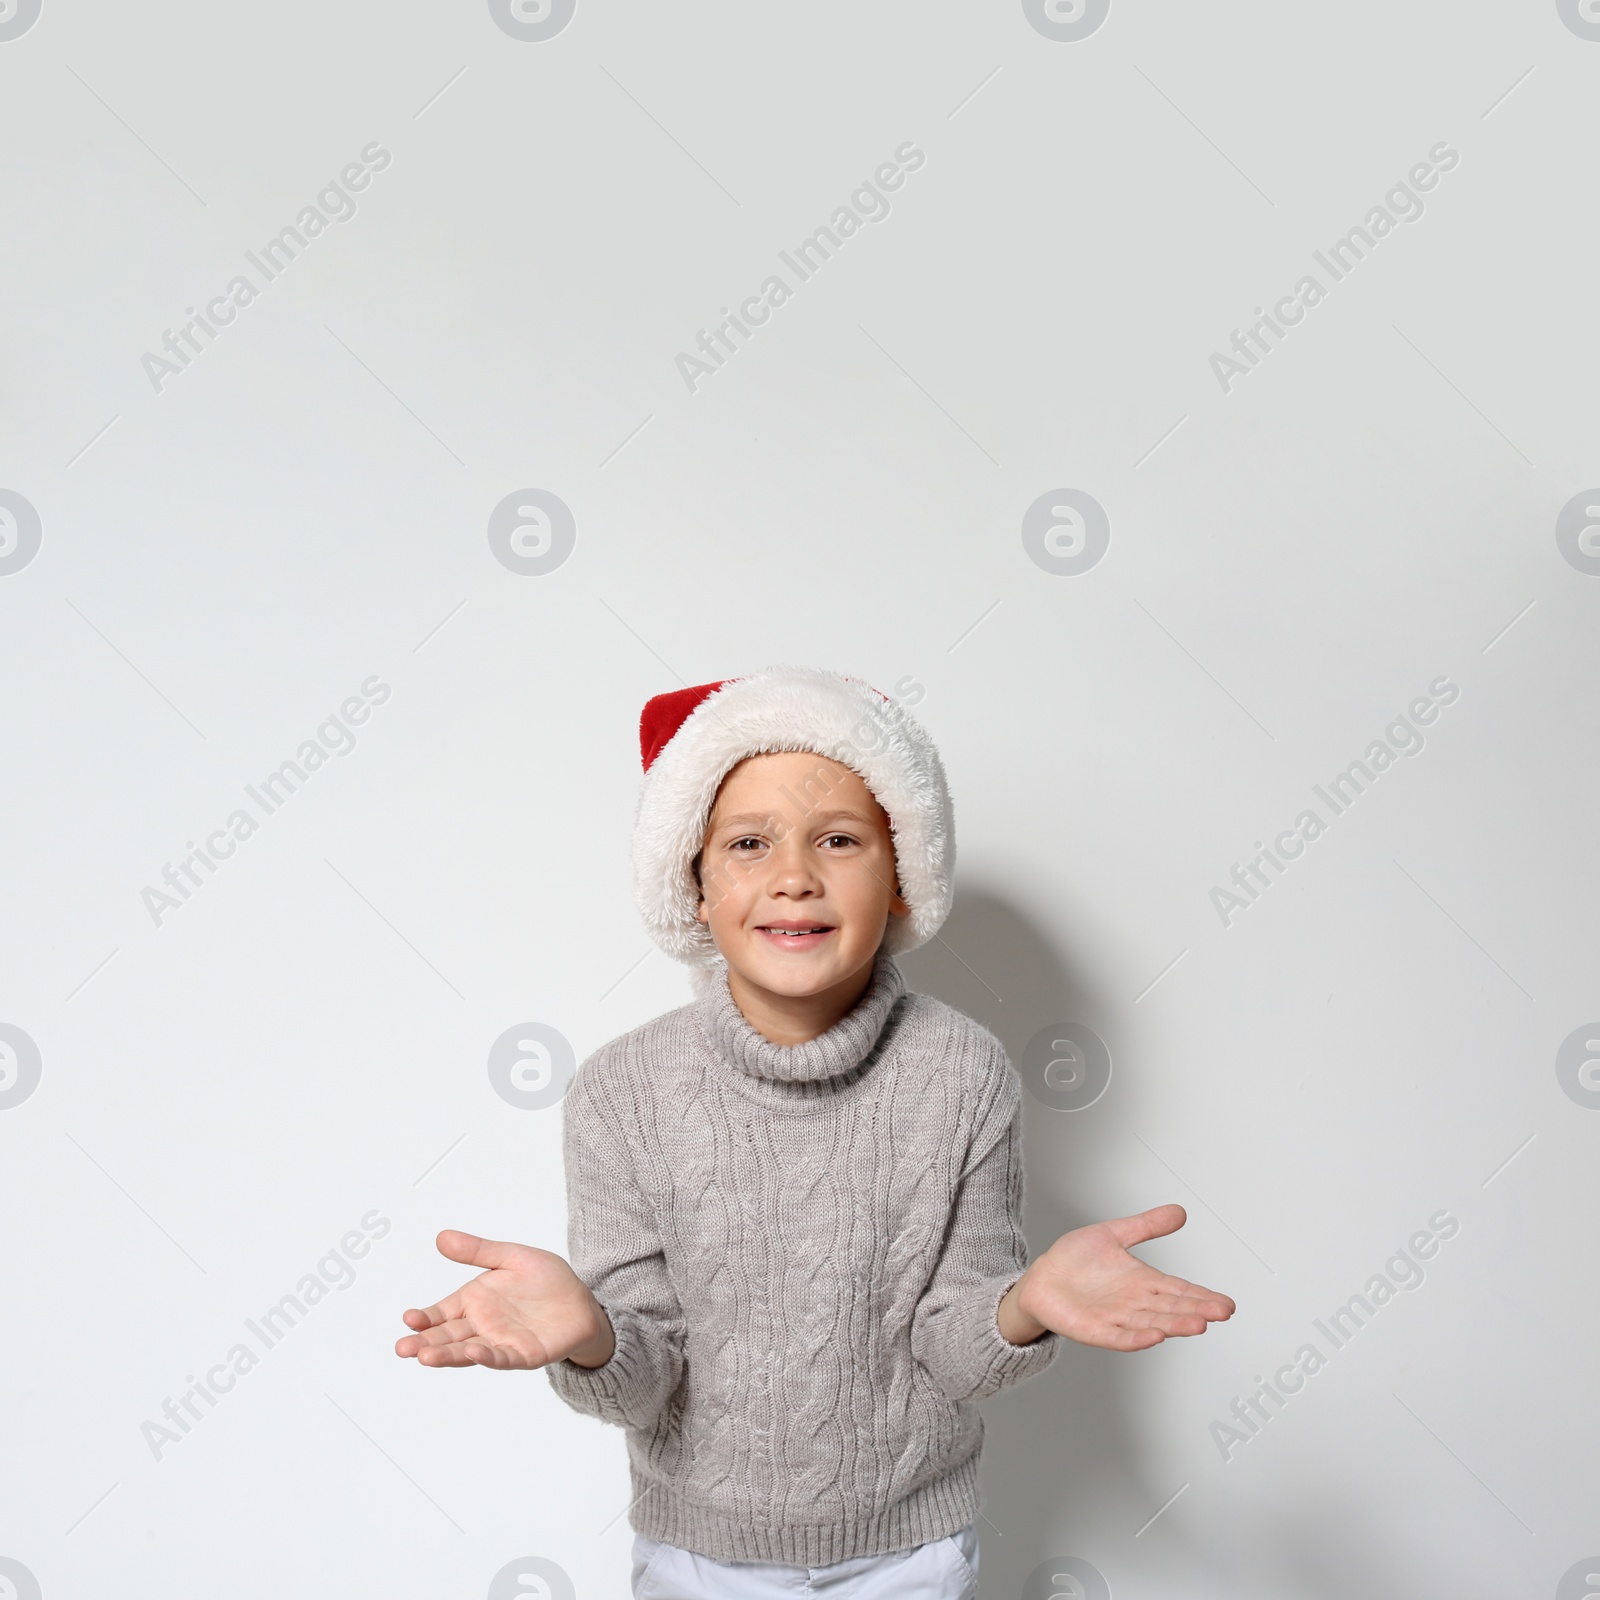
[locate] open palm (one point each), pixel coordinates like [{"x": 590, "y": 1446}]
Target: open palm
[
  {"x": 1088, "y": 1287},
  {"x": 526, "y": 1309}
]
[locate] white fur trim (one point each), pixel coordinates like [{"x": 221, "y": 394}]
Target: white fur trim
[{"x": 792, "y": 708}]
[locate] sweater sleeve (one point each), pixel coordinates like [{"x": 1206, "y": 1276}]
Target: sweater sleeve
[
  {"x": 614, "y": 1246},
  {"x": 955, "y": 1331}
]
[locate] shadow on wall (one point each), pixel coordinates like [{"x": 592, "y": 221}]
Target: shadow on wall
[
  {"x": 1063, "y": 1470},
  {"x": 1063, "y": 1474}
]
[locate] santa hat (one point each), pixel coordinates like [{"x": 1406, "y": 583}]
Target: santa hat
[{"x": 689, "y": 741}]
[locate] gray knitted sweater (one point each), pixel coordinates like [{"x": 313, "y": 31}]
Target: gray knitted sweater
[{"x": 801, "y": 1250}]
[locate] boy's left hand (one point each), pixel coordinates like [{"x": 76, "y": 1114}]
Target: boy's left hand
[{"x": 1087, "y": 1287}]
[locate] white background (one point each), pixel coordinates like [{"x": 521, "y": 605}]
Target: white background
[{"x": 225, "y": 1094}]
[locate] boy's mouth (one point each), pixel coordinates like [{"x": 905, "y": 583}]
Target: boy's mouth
[{"x": 795, "y": 935}]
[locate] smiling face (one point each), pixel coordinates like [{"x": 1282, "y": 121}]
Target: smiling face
[{"x": 797, "y": 875}]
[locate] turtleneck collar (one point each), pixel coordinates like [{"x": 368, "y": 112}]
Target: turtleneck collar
[{"x": 830, "y": 1061}]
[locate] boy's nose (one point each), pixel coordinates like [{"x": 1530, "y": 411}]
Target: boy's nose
[
  {"x": 796, "y": 885},
  {"x": 794, "y": 874}
]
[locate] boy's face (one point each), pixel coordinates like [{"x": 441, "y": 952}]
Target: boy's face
[{"x": 797, "y": 873}]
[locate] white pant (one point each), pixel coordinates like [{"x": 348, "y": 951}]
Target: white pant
[{"x": 945, "y": 1569}]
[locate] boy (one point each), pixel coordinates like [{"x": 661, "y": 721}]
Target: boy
[{"x": 793, "y": 1205}]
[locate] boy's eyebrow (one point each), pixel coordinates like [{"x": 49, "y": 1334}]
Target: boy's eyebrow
[{"x": 762, "y": 819}]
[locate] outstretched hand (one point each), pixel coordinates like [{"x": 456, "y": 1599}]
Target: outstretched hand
[
  {"x": 527, "y": 1309},
  {"x": 1088, "y": 1287}
]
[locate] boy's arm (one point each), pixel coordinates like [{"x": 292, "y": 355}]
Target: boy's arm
[
  {"x": 955, "y": 1331},
  {"x": 614, "y": 1245}
]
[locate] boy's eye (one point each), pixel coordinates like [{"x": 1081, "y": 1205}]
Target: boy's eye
[
  {"x": 839, "y": 839},
  {"x": 749, "y": 840}
]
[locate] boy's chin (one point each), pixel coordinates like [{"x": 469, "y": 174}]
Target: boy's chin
[{"x": 798, "y": 976}]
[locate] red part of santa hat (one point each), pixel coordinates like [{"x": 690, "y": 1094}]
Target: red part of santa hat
[
  {"x": 664, "y": 714},
  {"x": 690, "y": 739}
]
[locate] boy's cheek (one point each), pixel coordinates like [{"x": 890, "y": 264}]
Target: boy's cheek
[{"x": 719, "y": 895}]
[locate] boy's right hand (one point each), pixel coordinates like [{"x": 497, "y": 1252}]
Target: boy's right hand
[{"x": 527, "y": 1309}]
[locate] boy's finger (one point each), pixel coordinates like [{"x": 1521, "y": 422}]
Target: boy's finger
[
  {"x": 471, "y": 1352},
  {"x": 412, "y": 1345},
  {"x": 1152, "y": 1224},
  {"x": 472, "y": 1251},
  {"x": 1169, "y": 1325},
  {"x": 445, "y": 1355},
  {"x": 433, "y": 1315},
  {"x": 1182, "y": 1289},
  {"x": 1129, "y": 1339},
  {"x": 447, "y": 1332},
  {"x": 1183, "y": 1286},
  {"x": 1184, "y": 1306}
]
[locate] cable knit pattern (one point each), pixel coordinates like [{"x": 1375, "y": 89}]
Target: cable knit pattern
[{"x": 802, "y": 1251}]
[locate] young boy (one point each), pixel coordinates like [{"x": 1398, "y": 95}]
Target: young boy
[{"x": 794, "y": 1204}]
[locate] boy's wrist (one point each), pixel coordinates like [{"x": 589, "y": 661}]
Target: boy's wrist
[
  {"x": 599, "y": 1349},
  {"x": 1016, "y": 1323}
]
